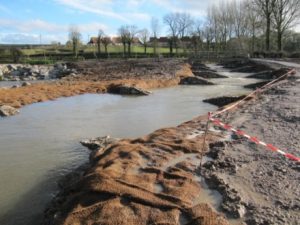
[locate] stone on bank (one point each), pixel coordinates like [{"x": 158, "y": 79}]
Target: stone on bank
[{"x": 6, "y": 110}]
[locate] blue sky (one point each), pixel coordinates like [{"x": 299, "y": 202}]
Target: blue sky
[{"x": 23, "y": 21}]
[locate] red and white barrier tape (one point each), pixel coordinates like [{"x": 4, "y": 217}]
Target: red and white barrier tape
[{"x": 251, "y": 138}]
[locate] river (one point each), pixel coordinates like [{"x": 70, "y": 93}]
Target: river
[{"x": 41, "y": 144}]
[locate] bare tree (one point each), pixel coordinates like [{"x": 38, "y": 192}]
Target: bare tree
[
  {"x": 185, "y": 24},
  {"x": 254, "y": 22},
  {"x": 74, "y": 37},
  {"x": 266, "y": 7},
  {"x": 123, "y": 32},
  {"x": 197, "y": 36},
  {"x": 106, "y": 41},
  {"x": 99, "y": 39},
  {"x": 144, "y": 37},
  {"x": 171, "y": 20},
  {"x": 286, "y": 13},
  {"x": 131, "y": 32},
  {"x": 128, "y": 34},
  {"x": 155, "y": 31}
]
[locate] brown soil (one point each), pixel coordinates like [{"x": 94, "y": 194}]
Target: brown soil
[
  {"x": 96, "y": 78},
  {"x": 133, "y": 182}
]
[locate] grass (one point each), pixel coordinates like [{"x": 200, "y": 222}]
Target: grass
[
  {"x": 51, "y": 54},
  {"x": 91, "y": 49}
]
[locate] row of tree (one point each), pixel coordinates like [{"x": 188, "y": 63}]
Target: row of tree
[{"x": 247, "y": 25}]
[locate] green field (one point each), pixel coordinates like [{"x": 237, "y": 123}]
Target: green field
[
  {"x": 49, "y": 54},
  {"x": 91, "y": 49}
]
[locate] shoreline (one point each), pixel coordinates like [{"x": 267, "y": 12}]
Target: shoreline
[{"x": 86, "y": 82}]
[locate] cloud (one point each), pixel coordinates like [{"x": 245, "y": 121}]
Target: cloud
[
  {"x": 109, "y": 8},
  {"x": 5, "y": 9},
  {"x": 25, "y": 38},
  {"x": 196, "y": 8},
  {"x": 30, "y": 25},
  {"x": 38, "y": 25},
  {"x": 28, "y": 32},
  {"x": 100, "y": 7}
]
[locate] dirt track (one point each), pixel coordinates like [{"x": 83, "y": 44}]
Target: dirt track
[{"x": 259, "y": 184}]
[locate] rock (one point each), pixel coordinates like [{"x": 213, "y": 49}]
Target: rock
[
  {"x": 127, "y": 90},
  {"x": 15, "y": 86},
  {"x": 208, "y": 74},
  {"x": 241, "y": 211},
  {"x": 194, "y": 81},
  {"x": 15, "y": 79},
  {"x": 11, "y": 67},
  {"x": 24, "y": 84},
  {"x": 97, "y": 143},
  {"x": 224, "y": 100},
  {"x": 16, "y": 73},
  {"x": 6, "y": 110}
]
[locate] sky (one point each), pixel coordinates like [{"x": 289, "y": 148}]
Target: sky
[
  {"x": 35, "y": 21},
  {"x": 44, "y": 21}
]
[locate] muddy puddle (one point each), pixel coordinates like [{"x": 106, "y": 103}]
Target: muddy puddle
[{"x": 41, "y": 144}]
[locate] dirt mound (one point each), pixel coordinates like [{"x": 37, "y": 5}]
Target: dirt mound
[
  {"x": 195, "y": 81},
  {"x": 115, "y": 69},
  {"x": 224, "y": 100},
  {"x": 94, "y": 80},
  {"x": 270, "y": 74},
  {"x": 138, "y": 181},
  {"x": 245, "y": 66}
]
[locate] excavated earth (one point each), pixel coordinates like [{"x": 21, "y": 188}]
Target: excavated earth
[
  {"x": 156, "y": 179},
  {"x": 149, "y": 180},
  {"x": 101, "y": 77},
  {"x": 259, "y": 185}
]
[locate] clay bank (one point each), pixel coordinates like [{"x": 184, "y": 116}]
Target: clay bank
[{"x": 154, "y": 179}]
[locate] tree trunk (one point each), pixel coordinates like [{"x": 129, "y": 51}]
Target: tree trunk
[
  {"x": 268, "y": 33},
  {"x": 171, "y": 47},
  {"x": 145, "y": 49},
  {"x": 279, "y": 40},
  {"x": 124, "y": 48},
  {"x": 129, "y": 49},
  {"x": 75, "y": 48},
  {"x": 105, "y": 49},
  {"x": 99, "y": 48}
]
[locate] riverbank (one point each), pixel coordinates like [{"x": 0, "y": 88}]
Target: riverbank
[
  {"x": 156, "y": 178},
  {"x": 262, "y": 184},
  {"x": 99, "y": 77}
]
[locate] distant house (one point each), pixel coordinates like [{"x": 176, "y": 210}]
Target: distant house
[
  {"x": 118, "y": 41},
  {"x": 165, "y": 41},
  {"x": 162, "y": 41},
  {"x": 93, "y": 41}
]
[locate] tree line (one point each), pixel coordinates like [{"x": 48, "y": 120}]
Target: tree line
[{"x": 245, "y": 25}]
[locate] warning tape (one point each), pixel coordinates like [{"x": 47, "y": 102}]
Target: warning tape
[
  {"x": 242, "y": 133},
  {"x": 252, "y": 139}
]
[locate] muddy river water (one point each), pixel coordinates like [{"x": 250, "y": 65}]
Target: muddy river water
[{"x": 41, "y": 144}]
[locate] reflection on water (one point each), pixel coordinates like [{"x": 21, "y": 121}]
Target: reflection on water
[{"x": 41, "y": 144}]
